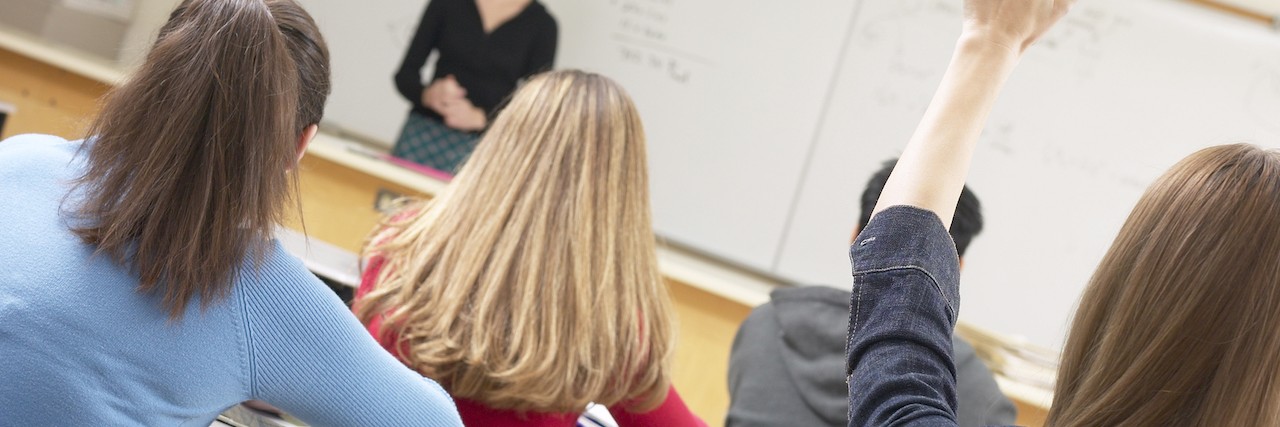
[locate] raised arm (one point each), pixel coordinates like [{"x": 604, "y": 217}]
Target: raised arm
[
  {"x": 933, "y": 167},
  {"x": 905, "y": 298},
  {"x": 409, "y": 77}
]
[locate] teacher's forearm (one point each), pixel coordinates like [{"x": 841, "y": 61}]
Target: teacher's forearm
[
  {"x": 410, "y": 86},
  {"x": 931, "y": 173}
]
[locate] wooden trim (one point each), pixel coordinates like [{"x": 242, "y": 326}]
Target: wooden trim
[{"x": 1242, "y": 12}]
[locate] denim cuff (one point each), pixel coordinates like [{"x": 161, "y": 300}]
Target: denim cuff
[{"x": 907, "y": 237}]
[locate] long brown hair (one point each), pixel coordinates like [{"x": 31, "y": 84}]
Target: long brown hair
[
  {"x": 1180, "y": 324},
  {"x": 531, "y": 283},
  {"x": 187, "y": 171}
]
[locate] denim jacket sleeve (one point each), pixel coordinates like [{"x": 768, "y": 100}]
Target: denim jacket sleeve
[{"x": 898, "y": 360}]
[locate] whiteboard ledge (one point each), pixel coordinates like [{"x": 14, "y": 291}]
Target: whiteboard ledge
[
  {"x": 74, "y": 61},
  {"x": 360, "y": 158},
  {"x": 720, "y": 280}
]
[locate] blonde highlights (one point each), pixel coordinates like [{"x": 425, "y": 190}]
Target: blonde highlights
[
  {"x": 531, "y": 282},
  {"x": 1180, "y": 324}
]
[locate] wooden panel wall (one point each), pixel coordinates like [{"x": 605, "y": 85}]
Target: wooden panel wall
[{"x": 48, "y": 99}]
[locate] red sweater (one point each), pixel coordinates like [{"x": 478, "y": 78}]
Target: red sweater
[{"x": 671, "y": 413}]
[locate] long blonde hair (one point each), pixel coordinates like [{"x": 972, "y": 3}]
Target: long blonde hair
[
  {"x": 531, "y": 282},
  {"x": 1180, "y": 324}
]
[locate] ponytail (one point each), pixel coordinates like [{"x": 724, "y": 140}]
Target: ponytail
[{"x": 187, "y": 162}]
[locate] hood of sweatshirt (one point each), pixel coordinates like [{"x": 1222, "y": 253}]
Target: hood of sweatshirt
[{"x": 814, "y": 322}]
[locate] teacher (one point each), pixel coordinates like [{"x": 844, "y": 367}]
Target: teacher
[{"x": 485, "y": 48}]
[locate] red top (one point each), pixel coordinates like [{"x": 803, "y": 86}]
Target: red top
[{"x": 672, "y": 412}]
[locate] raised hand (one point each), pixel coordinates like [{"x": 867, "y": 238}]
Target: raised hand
[
  {"x": 1013, "y": 24},
  {"x": 935, "y": 162}
]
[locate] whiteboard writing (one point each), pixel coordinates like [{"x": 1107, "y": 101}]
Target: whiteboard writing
[
  {"x": 1079, "y": 41},
  {"x": 643, "y": 39}
]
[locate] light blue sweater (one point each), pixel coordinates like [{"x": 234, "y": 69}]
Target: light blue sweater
[{"x": 79, "y": 346}]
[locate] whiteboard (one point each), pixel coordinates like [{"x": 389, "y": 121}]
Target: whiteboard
[
  {"x": 1116, "y": 94},
  {"x": 367, "y": 41},
  {"x": 730, "y": 94}
]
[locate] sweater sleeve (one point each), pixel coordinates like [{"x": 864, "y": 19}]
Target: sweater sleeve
[
  {"x": 409, "y": 77},
  {"x": 672, "y": 413},
  {"x": 310, "y": 357}
]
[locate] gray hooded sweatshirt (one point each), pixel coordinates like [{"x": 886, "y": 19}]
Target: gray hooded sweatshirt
[{"x": 787, "y": 366}]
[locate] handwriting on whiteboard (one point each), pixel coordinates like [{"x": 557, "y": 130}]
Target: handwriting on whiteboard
[
  {"x": 643, "y": 39},
  {"x": 1080, "y": 40}
]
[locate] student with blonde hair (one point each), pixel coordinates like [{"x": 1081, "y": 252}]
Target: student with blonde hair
[
  {"x": 529, "y": 287},
  {"x": 1179, "y": 325},
  {"x": 139, "y": 284}
]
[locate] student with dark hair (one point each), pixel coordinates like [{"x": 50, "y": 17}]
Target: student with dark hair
[
  {"x": 784, "y": 366},
  {"x": 965, "y": 225},
  {"x": 140, "y": 284}
]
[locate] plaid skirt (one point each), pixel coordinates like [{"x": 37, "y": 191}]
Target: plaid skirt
[{"x": 428, "y": 142}]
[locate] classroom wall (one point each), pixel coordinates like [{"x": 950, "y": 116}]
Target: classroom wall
[
  {"x": 96, "y": 27},
  {"x": 47, "y": 99},
  {"x": 148, "y": 15}
]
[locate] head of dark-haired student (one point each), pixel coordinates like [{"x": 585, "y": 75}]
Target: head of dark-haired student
[{"x": 965, "y": 225}]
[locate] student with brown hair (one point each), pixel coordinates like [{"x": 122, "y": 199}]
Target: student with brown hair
[
  {"x": 140, "y": 284},
  {"x": 530, "y": 286},
  {"x": 1180, "y": 324}
]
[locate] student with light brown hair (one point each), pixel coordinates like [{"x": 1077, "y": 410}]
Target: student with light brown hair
[
  {"x": 530, "y": 286},
  {"x": 139, "y": 283},
  {"x": 1180, "y": 324}
]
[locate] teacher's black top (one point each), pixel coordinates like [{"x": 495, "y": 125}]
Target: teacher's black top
[{"x": 488, "y": 66}]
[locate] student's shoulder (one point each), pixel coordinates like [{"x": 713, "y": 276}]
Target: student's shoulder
[
  {"x": 276, "y": 275},
  {"x": 36, "y": 147},
  {"x": 33, "y": 158}
]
